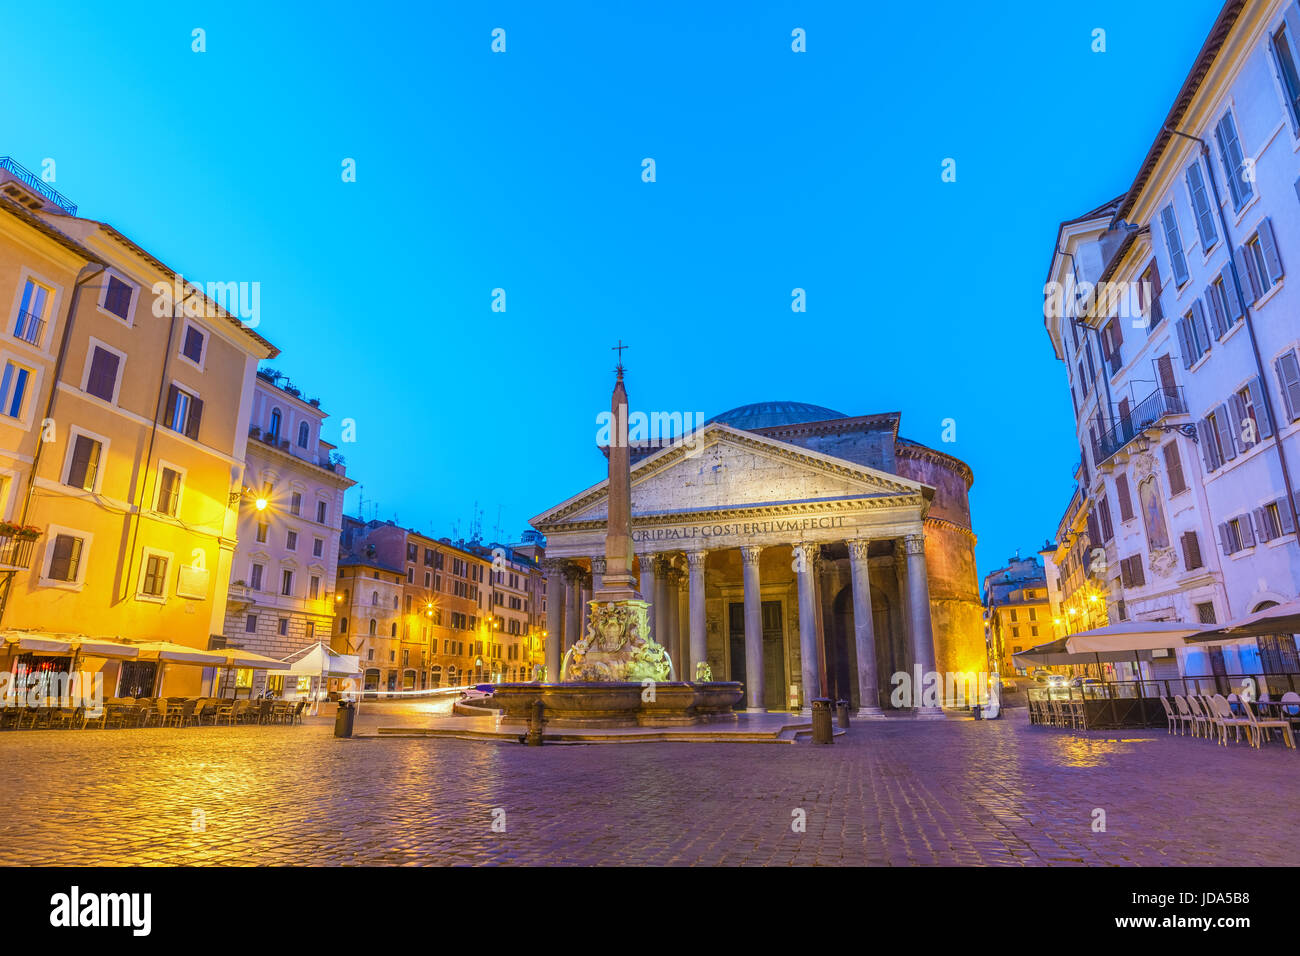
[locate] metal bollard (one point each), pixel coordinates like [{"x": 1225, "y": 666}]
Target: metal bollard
[
  {"x": 343, "y": 720},
  {"x": 536, "y": 721},
  {"x": 842, "y": 713},
  {"x": 821, "y": 721}
]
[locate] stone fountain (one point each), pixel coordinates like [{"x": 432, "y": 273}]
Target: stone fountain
[{"x": 616, "y": 675}]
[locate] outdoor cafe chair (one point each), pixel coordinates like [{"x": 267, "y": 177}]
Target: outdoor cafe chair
[
  {"x": 1201, "y": 723},
  {"x": 182, "y": 713},
  {"x": 225, "y": 711},
  {"x": 205, "y": 709},
  {"x": 1288, "y": 708},
  {"x": 1258, "y": 724},
  {"x": 1171, "y": 718},
  {"x": 283, "y": 712},
  {"x": 296, "y": 716},
  {"x": 1227, "y": 719},
  {"x": 1184, "y": 713}
]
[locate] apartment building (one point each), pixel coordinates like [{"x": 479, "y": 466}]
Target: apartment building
[
  {"x": 1017, "y": 611},
  {"x": 517, "y": 581},
  {"x": 445, "y": 635},
  {"x": 1177, "y": 331},
  {"x": 290, "y": 516},
  {"x": 123, "y": 425}
]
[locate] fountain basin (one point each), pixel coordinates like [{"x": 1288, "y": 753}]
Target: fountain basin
[{"x": 617, "y": 703}]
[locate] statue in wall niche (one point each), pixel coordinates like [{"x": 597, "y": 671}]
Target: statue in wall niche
[{"x": 1153, "y": 514}]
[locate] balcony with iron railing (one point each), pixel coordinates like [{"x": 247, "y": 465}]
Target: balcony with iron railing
[
  {"x": 1160, "y": 404},
  {"x": 16, "y": 546},
  {"x": 29, "y": 328},
  {"x": 36, "y": 184}
]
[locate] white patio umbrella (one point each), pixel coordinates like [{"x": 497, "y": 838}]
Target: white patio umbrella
[
  {"x": 1129, "y": 636},
  {"x": 1278, "y": 619}
]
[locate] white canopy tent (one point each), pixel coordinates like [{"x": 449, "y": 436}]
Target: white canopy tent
[{"x": 320, "y": 661}]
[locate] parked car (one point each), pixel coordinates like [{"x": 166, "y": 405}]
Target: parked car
[
  {"x": 1085, "y": 682},
  {"x": 1056, "y": 680}
]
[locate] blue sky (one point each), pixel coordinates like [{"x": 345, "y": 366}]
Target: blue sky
[{"x": 522, "y": 171}]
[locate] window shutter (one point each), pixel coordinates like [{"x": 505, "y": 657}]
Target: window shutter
[
  {"x": 1093, "y": 537},
  {"x": 1281, "y": 80},
  {"x": 1256, "y": 388},
  {"x": 1185, "y": 343},
  {"x": 1247, "y": 532},
  {"x": 1217, "y": 319},
  {"x": 170, "y": 410},
  {"x": 1262, "y": 525},
  {"x": 1174, "y": 469},
  {"x": 1208, "y": 454},
  {"x": 1201, "y": 206},
  {"x": 1191, "y": 551},
  {"x": 1125, "y": 500},
  {"x": 1201, "y": 330},
  {"x": 103, "y": 374},
  {"x": 1117, "y": 328},
  {"x": 1137, "y": 571},
  {"x": 1246, "y": 269},
  {"x": 1233, "y": 303},
  {"x": 1238, "y": 409},
  {"x": 1288, "y": 376},
  {"x": 79, "y": 470},
  {"x": 1103, "y": 510},
  {"x": 1225, "y": 538},
  {"x": 1268, "y": 246},
  {"x": 1157, "y": 309},
  {"x": 1284, "y": 516},
  {"x": 1226, "y": 432},
  {"x": 1177, "y": 261},
  {"x": 196, "y": 416},
  {"x": 1165, "y": 370}
]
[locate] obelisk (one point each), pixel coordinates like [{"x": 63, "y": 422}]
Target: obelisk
[
  {"x": 617, "y": 645},
  {"x": 619, "y": 583}
]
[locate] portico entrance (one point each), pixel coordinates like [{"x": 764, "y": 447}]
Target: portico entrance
[{"x": 774, "y": 672}]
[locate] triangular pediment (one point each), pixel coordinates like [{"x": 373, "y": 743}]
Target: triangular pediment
[{"x": 720, "y": 468}]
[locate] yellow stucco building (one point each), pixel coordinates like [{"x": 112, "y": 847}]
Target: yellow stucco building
[{"x": 123, "y": 424}]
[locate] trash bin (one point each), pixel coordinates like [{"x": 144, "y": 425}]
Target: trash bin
[
  {"x": 347, "y": 713},
  {"x": 821, "y": 720},
  {"x": 842, "y": 713},
  {"x": 536, "y": 724},
  {"x": 976, "y": 712}
]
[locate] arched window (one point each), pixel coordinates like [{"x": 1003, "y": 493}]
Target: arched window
[
  {"x": 343, "y": 625},
  {"x": 373, "y": 625},
  {"x": 302, "y": 434},
  {"x": 394, "y": 630},
  {"x": 274, "y": 431}
]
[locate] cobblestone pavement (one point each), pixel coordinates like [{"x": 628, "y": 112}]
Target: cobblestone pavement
[{"x": 891, "y": 793}]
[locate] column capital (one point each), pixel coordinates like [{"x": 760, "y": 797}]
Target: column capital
[
  {"x": 572, "y": 573},
  {"x": 598, "y": 565},
  {"x": 914, "y": 543},
  {"x": 695, "y": 559},
  {"x": 554, "y": 565},
  {"x": 805, "y": 556},
  {"x": 858, "y": 550},
  {"x": 749, "y": 554}
]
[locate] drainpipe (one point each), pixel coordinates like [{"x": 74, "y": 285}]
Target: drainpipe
[
  {"x": 61, "y": 356},
  {"x": 1250, "y": 327}
]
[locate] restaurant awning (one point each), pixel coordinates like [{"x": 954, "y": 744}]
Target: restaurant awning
[
  {"x": 236, "y": 657},
  {"x": 35, "y": 642},
  {"x": 169, "y": 653},
  {"x": 1278, "y": 619},
  {"x": 1130, "y": 636},
  {"x": 318, "y": 660},
  {"x": 1057, "y": 652}
]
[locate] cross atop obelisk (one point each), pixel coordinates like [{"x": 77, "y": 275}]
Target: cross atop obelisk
[{"x": 619, "y": 582}]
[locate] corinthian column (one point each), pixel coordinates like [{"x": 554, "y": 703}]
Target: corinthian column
[
  {"x": 805, "y": 559},
  {"x": 864, "y": 633},
  {"x": 671, "y": 615},
  {"x": 699, "y": 638},
  {"x": 660, "y": 625},
  {"x": 918, "y": 599},
  {"x": 555, "y": 599},
  {"x": 753, "y": 630},
  {"x": 572, "y": 609},
  {"x": 646, "y": 585}
]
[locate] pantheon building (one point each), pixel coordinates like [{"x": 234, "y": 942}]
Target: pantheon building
[{"x": 796, "y": 549}]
